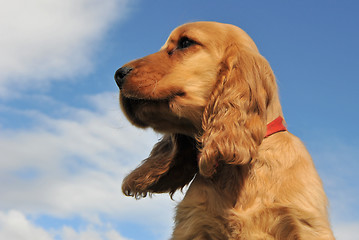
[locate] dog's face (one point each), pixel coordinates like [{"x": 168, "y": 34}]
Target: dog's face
[{"x": 169, "y": 90}]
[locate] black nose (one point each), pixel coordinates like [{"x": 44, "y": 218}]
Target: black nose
[{"x": 121, "y": 74}]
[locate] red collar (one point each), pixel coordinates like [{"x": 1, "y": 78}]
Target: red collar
[{"x": 275, "y": 126}]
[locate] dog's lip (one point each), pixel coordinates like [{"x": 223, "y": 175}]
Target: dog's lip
[{"x": 150, "y": 99}]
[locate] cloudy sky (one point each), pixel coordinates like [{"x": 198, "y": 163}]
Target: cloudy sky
[{"x": 65, "y": 146}]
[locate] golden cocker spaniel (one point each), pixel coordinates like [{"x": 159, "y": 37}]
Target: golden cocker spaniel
[{"x": 215, "y": 99}]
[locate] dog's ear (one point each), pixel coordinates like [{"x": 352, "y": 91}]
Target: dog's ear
[
  {"x": 171, "y": 165},
  {"x": 234, "y": 121}
]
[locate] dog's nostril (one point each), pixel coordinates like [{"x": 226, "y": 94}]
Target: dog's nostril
[{"x": 121, "y": 74}]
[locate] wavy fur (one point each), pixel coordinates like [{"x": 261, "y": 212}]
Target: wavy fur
[{"x": 211, "y": 94}]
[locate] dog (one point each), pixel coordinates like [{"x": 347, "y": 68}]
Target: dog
[{"x": 215, "y": 100}]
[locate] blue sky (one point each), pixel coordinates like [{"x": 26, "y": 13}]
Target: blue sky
[{"x": 65, "y": 146}]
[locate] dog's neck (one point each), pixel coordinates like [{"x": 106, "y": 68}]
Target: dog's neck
[{"x": 274, "y": 110}]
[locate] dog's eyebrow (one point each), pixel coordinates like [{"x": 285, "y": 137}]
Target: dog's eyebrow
[{"x": 168, "y": 43}]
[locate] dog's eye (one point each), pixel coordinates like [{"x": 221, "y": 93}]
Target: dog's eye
[{"x": 185, "y": 42}]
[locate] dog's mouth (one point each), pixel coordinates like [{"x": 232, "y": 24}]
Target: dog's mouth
[
  {"x": 136, "y": 101},
  {"x": 139, "y": 98},
  {"x": 155, "y": 113},
  {"x": 137, "y": 108}
]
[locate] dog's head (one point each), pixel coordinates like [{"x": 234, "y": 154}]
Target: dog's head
[
  {"x": 169, "y": 90},
  {"x": 207, "y": 82}
]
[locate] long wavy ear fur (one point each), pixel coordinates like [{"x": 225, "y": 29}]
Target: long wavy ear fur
[
  {"x": 234, "y": 121},
  {"x": 171, "y": 165}
]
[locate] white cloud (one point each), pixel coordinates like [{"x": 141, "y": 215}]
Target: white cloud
[
  {"x": 74, "y": 166},
  {"x": 15, "y": 226},
  {"x": 48, "y": 40},
  {"x": 90, "y": 233},
  {"x": 347, "y": 231}
]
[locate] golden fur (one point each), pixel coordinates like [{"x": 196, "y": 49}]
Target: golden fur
[{"x": 211, "y": 94}]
